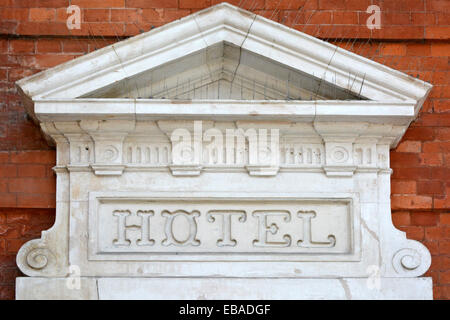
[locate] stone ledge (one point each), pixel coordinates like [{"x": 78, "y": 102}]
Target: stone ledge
[{"x": 223, "y": 289}]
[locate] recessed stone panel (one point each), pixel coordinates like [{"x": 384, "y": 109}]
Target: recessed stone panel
[{"x": 228, "y": 229}]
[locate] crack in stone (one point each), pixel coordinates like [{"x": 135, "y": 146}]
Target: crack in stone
[
  {"x": 375, "y": 236},
  {"x": 344, "y": 284}
]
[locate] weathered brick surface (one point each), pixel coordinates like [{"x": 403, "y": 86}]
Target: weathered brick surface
[
  {"x": 414, "y": 38},
  {"x": 17, "y": 226}
]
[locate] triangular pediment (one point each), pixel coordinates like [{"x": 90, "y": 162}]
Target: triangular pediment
[
  {"x": 224, "y": 71},
  {"x": 224, "y": 52}
]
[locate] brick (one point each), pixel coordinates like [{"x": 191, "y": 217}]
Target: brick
[
  {"x": 321, "y": 17},
  {"x": 401, "y": 218},
  {"x": 153, "y": 15},
  {"x": 33, "y": 157},
  {"x": 42, "y": 14},
  {"x": 17, "y": 216},
  {"x": 171, "y": 14},
  {"x": 440, "y": 202},
  {"x": 75, "y": 46},
  {"x": 444, "y": 277},
  {"x": 32, "y": 170},
  {"x": 105, "y": 29},
  {"x": 436, "y": 146},
  {"x": 424, "y": 219},
  {"x": 430, "y": 187},
  {"x": 434, "y": 120},
  {"x": 338, "y": 31},
  {"x": 440, "y": 77},
  {"x": 262, "y": 4},
  {"x": 431, "y": 159},
  {"x": 438, "y": 5},
  {"x": 401, "y": 159},
  {"x": 42, "y": 3},
  {"x": 423, "y": 18},
  {"x": 434, "y": 233},
  {"x": 445, "y": 261},
  {"x": 14, "y": 14},
  {"x": 393, "y": 32},
  {"x": 435, "y": 262},
  {"x": 440, "y": 173},
  {"x": 96, "y": 15},
  {"x": 418, "y": 49},
  {"x": 284, "y": 5},
  {"x": 99, "y": 3},
  {"x": 432, "y": 246},
  {"x": 9, "y": 232},
  {"x": 442, "y": 18},
  {"x": 433, "y": 274},
  {"x": 411, "y": 202},
  {"x": 8, "y": 171},
  {"x": 444, "y": 247},
  {"x": 22, "y": 46},
  {"x": 403, "y": 5},
  {"x": 413, "y": 232},
  {"x": 434, "y": 63},
  {"x": 4, "y": 157},
  {"x": 345, "y": 17},
  {"x": 409, "y": 146},
  {"x": 395, "y": 18},
  {"x": 441, "y": 106},
  {"x": 13, "y": 245},
  {"x": 393, "y": 49},
  {"x": 8, "y": 261},
  {"x": 126, "y": 15},
  {"x": 46, "y": 46},
  {"x": 32, "y": 185},
  {"x": 32, "y": 231},
  {"x": 40, "y": 216},
  {"x": 44, "y": 28},
  {"x": 19, "y": 73},
  {"x": 444, "y": 292},
  {"x": 440, "y": 49},
  {"x": 7, "y": 200},
  {"x": 403, "y": 187},
  {"x": 152, "y": 3},
  {"x": 3, "y": 186},
  {"x": 437, "y": 32},
  {"x": 188, "y": 4},
  {"x": 445, "y": 218},
  {"x": 36, "y": 200},
  {"x": 7, "y": 292}
]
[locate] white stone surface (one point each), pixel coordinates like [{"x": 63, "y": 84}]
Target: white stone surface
[
  {"x": 226, "y": 289},
  {"x": 278, "y": 193}
]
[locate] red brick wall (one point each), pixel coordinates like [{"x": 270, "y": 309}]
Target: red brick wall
[{"x": 414, "y": 38}]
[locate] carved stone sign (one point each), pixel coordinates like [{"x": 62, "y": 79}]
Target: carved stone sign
[
  {"x": 174, "y": 229},
  {"x": 223, "y": 156}
]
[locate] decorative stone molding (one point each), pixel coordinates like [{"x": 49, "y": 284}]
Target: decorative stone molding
[{"x": 210, "y": 148}]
